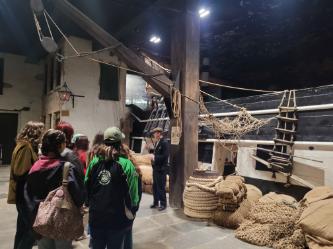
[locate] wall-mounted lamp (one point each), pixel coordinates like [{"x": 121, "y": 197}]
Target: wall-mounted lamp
[{"x": 65, "y": 94}]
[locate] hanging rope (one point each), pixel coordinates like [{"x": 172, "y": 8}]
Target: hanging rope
[
  {"x": 239, "y": 88},
  {"x": 176, "y": 104},
  {"x": 63, "y": 35},
  {"x": 221, "y": 100},
  {"x": 237, "y": 127},
  {"x": 212, "y": 83}
]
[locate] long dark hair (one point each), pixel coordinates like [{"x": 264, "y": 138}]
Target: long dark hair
[
  {"x": 51, "y": 142},
  {"x": 98, "y": 140}
]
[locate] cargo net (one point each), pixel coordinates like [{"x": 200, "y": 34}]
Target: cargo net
[
  {"x": 273, "y": 224},
  {"x": 233, "y": 129}
]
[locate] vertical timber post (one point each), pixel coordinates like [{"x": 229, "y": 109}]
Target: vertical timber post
[{"x": 185, "y": 52}]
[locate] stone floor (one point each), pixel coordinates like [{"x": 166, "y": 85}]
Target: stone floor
[{"x": 169, "y": 229}]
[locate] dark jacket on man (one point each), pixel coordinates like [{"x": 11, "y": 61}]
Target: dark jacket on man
[{"x": 161, "y": 154}]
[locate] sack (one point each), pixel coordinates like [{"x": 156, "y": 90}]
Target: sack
[
  {"x": 58, "y": 218},
  {"x": 232, "y": 219},
  {"x": 317, "y": 194},
  {"x": 317, "y": 220}
]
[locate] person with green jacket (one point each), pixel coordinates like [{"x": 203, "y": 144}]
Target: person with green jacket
[
  {"x": 112, "y": 139},
  {"x": 24, "y": 156}
]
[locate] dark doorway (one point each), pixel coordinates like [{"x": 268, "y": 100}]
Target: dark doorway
[{"x": 8, "y": 131}]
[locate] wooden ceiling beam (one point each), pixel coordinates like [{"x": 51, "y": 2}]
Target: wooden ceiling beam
[{"x": 160, "y": 83}]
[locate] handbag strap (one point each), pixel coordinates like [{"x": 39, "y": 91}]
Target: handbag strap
[{"x": 65, "y": 174}]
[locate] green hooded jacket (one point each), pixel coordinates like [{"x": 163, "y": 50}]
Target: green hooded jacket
[{"x": 131, "y": 174}]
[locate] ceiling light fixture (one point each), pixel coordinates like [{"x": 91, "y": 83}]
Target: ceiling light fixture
[
  {"x": 155, "y": 39},
  {"x": 203, "y": 12}
]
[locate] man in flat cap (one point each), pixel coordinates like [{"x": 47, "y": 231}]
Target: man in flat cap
[{"x": 160, "y": 162}]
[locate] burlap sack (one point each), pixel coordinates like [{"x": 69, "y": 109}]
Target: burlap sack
[
  {"x": 148, "y": 188},
  {"x": 232, "y": 219},
  {"x": 139, "y": 159},
  {"x": 317, "y": 194},
  {"x": 317, "y": 220},
  {"x": 238, "y": 179},
  {"x": 253, "y": 193},
  {"x": 318, "y": 243},
  {"x": 278, "y": 198},
  {"x": 147, "y": 174}
]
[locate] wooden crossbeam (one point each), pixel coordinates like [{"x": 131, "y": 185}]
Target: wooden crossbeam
[{"x": 160, "y": 82}]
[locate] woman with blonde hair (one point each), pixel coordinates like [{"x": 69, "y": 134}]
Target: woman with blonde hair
[{"x": 23, "y": 157}]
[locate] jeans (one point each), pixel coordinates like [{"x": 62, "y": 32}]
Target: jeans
[
  {"x": 110, "y": 239},
  {"x": 46, "y": 243},
  {"x": 159, "y": 182},
  {"x": 24, "y": 237}
]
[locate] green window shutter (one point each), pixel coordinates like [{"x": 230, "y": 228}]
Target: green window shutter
[{"x": 109, "y": 83}]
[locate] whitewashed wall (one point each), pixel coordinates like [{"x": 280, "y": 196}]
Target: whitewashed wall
[
  {"x": 26, "y": 90},
  {"x": 90, "y": 114}
]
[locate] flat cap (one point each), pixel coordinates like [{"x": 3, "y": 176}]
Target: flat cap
[{"x": 157, "y": 129}]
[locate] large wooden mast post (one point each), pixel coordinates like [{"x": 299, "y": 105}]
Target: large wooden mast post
[{"x": 185, "y": 65}]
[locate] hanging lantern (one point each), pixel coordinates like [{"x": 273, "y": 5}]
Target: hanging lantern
[{"x": 64, "y": 93}]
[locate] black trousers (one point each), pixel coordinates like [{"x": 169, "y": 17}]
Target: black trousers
[
  {"x": 159, "y": 182},
  {"x": 111, "y": 239},
  {"x": 24, "y": 237}
]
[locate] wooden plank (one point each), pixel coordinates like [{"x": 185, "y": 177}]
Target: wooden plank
[
  {"x": 125, "y": 54},
  {"x": 185, "y": 56},
  {"x": 281, "y": 141},
  {"x": 285, "y": 130},
  {"x": 300, "y": 180},
  {"x": 261, "y": 161}
]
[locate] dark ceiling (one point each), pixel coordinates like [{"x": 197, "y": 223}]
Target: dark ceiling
[{"x": 269, "y": 44}]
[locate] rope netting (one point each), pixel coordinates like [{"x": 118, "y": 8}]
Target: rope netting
[
  {"x": 235, "y": 128},
  {"x": 273, "y": 223}
]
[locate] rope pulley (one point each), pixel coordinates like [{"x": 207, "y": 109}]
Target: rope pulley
[{"x": 47, "y": 42}]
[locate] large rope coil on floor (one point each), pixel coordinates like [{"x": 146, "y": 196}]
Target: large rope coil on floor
[{"x": 200, "y": 199}]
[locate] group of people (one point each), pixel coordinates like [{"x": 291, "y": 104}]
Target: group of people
[{"x": 104, "y": 179}]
